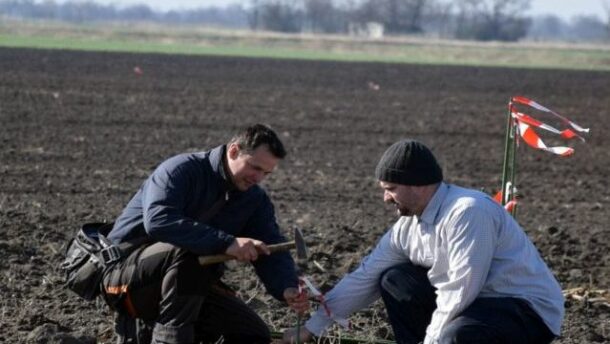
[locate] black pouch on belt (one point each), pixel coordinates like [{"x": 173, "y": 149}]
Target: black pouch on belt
[{"x": 86, "y": 258}]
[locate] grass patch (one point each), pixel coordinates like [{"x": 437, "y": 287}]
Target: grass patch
[{"x": 149, "y": 38}]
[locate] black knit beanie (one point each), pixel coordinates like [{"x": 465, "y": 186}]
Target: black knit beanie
[{"x": 408, "y": 162}]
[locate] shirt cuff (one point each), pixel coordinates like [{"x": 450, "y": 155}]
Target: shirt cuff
[{"x": 318, "y": 323}]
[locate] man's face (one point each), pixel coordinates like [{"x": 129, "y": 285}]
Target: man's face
[
  {"x": 406, "y": 198},
  {"x": 249, "y": 169}
]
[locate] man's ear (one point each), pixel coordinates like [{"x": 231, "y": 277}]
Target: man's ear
[{"x": 233, "y": 151}]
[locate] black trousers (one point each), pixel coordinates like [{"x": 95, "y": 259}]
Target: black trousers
[
  {"x": 165, "y": 287},
  {"x": 410, "y": 300}
]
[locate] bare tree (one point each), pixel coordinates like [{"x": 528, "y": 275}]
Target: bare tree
[
  {"x": 606, "y": 5},
  {"x": 139, "y": 12},
  {"x": 588, "y": 28},
  {"x": 548, "y": 27},
  {"x": 439, "y": 19},
  {"x": 492, "y": 19},
  {"x": 279, "y": 15},
  {"x": 398, "y": 16},
  {"x": 367, "y": 11},
  {"x": 253, "y": 16},
  {"x": 323, "y": 16}
]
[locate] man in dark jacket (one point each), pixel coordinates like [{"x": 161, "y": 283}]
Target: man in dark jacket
[{"x": 202, "y": 204}]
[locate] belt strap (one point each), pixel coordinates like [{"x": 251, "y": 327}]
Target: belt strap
[{"x": 112, "y": 253}]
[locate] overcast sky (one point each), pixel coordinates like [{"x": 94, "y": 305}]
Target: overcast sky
[{"x": 563, "y": 8}]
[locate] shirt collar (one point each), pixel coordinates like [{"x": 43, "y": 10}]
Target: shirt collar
[{"x": 434, "y": 206}]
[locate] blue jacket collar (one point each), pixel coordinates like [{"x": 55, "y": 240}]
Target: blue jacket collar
[{"x": 219, "y": 165}]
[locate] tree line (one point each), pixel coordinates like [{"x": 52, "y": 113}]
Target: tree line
[{"x": 503, "y": 20}]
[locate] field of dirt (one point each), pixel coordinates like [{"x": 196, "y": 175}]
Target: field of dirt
[{"x": 80, "y": 131}]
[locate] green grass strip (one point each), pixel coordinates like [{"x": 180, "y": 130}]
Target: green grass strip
[{"x": 492, "y": 56}]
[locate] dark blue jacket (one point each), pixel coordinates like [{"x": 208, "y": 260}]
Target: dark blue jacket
[{"x": 170, "y": 203}]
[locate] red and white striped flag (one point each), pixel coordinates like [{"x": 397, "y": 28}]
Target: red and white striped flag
[
  {"x": 529, "y": 102},
  {"x": 526, "y": 125}
]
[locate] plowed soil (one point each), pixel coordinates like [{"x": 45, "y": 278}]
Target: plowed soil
[{"x": 80, "y": 131}]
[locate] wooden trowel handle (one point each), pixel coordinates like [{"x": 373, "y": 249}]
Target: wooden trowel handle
[{"x": 219, "y": 258}]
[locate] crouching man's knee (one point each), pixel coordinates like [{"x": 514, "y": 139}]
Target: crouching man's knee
[
  {"x": 459, "y": 332},
  {"x": 403, "y": 282}
]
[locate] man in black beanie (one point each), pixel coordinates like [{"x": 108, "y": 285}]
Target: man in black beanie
[{"x": 455, "y": 268}]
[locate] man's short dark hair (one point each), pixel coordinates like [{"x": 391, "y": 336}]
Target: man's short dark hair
[{"x": 256, "y": 135}]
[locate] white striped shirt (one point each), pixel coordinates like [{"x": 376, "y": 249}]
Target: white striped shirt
[{"x": 473, "y": 247}]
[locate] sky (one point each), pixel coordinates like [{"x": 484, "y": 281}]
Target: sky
[{"x": 562, "y": 8}]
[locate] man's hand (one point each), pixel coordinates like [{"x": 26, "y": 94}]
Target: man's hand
[
  {"x": 290, "y": 335},
  {"x": 247, "y": 249},
  {"x": 298, "y": 302}
]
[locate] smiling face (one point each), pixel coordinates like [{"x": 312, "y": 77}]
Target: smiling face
[
  {"x": 409, "y": 200},
  {"x": 249, "y": 168}
]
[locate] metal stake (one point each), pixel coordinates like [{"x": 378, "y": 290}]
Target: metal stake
[{"x": 510, "y": 152}]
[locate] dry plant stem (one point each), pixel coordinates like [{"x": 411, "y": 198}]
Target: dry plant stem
[{"x": 298, "y": 337}]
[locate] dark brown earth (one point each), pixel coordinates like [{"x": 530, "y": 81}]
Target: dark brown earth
[{"x": 80, "y": 131}]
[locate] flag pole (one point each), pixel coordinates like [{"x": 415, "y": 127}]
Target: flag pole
[
  {"x": 508, "y": 169},
  {"x": 513, "y": 168}
]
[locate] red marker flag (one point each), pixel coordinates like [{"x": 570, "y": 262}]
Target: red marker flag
[{"x": 526, "y": 124}]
